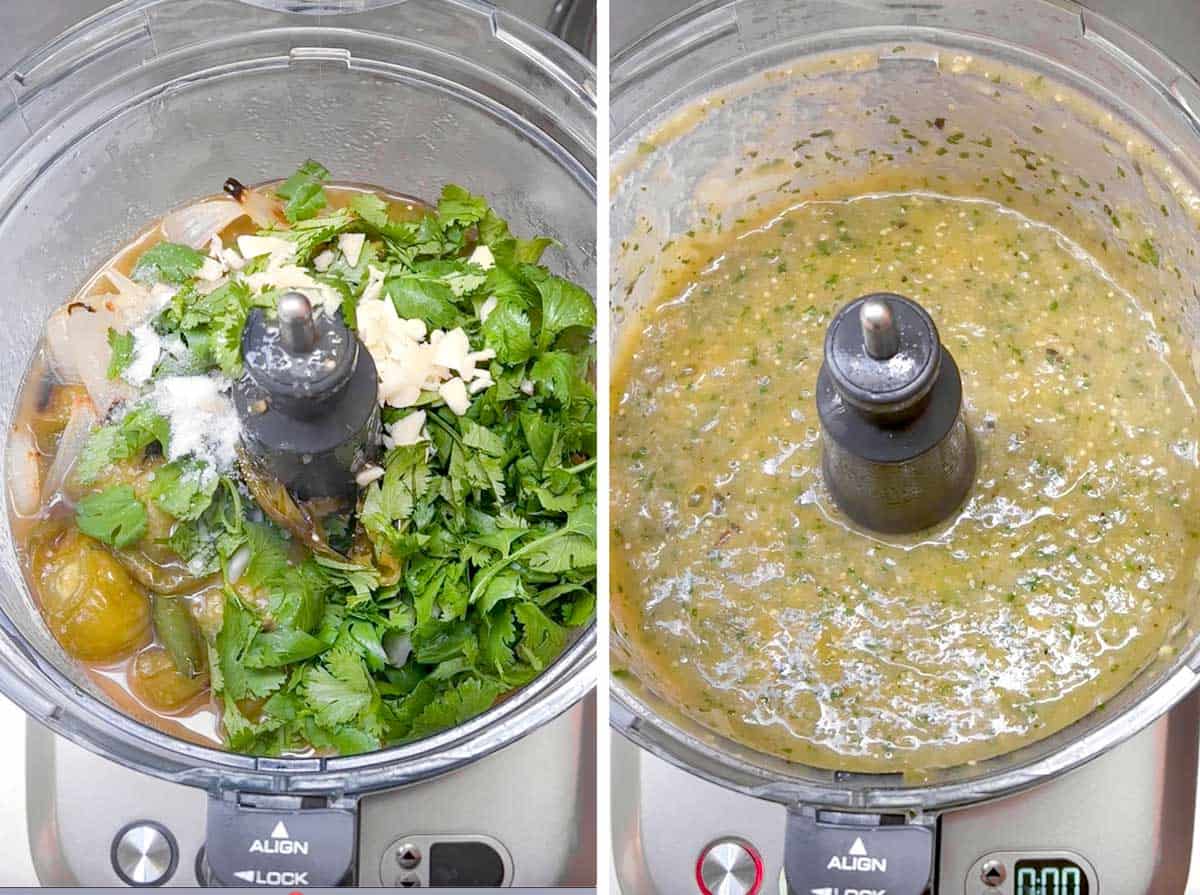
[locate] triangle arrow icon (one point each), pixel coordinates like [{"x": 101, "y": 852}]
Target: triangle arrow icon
[
  {"x": 858, "y": 848},
  {"x": 280, "y": 832},
  {"x": 245, "y": 875}
]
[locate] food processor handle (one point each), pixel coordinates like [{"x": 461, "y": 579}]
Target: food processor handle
[
  {"x": 280, "y": 841},
  {"x": 828, "y": 852}
]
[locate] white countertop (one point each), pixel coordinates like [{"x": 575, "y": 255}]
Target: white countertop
[{"x": 16, "y": 866}]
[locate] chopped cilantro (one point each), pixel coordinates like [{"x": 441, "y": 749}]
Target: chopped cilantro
[
  {"x": 114, "y": 516},
  {"x": 184, "y": 488},
  {"x": 1148, "y": 253},
  {"x": 118, "y": 441},
  {"x": 303, "y": 191},
  {"x": 120, "y": 346},
  {"x": 167, "y": 262}
]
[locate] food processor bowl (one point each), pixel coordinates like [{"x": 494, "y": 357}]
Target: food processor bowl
[
  {"x": 1059, "y": 113},
  {"x": 154, "y": 103}
]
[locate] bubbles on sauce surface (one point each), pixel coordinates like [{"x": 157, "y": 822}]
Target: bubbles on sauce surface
[{"x": 747, "y": 599}]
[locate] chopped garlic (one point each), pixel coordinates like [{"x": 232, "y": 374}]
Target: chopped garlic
[
  {"x": 211, "y": 270},
  {"x": 395, "y": 390},
  {"x": 233, "y": 259},
  {"x": 323, "y": 261},
  {"x": 483, "y": 257},
  {"x": 409, "y": 363},
  {"x": 368, "y": 474},
  {"x": 414, "y": 328},
  {"x": 481, "y": 382},
  {"x": 454, "y": 393},
  {"x": 207, "y": 287},
  {"x": 351, "y": 245},
  {"x": 254, "y": 246},
  {"x": 374, "y": 287},
  {"x": 527, "y": 386},
  {"x": 453, "y": 351},
  {"x": 162, "y": 293},
  {"x": 409, "y": 430},
  {"x": 289, "y": 276}
]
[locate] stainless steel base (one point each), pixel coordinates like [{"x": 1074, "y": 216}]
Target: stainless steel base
[
  {"x": 1129, "y": 814},
  {"x": 536, "y": 799}
]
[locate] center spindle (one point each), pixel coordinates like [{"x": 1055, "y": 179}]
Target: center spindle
[
  {"x": 308, "y": 399},
  {"x": 897, "y": 454}
]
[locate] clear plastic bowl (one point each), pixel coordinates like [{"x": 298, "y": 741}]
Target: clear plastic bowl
[
  {"x": 155, "y": 102},
  {"x": 1086, "y": 122}
]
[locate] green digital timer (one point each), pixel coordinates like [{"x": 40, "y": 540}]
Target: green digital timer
[{"x": 1049, "y": 876}]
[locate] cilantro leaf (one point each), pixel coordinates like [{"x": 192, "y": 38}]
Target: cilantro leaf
[
  {"x": 111, "y": 443},
  {"x": 436, "y": 641},
  {"x": 508, "y": 332},
  {"x": 454, "y": 706},
  {"x": 120, "y": 347},
  {"x": 505, "y": 586},
  {"x": 234, "y": 677},
  {"x": 564, "y": 306},
  {"x": 283, "y": 646},
  {"x": 339, "y": 690},
  {"x": 303, "y": 191},
  {"x": 229, "y": 307},
  {"x": 184, "y": 488},
  {"x": 555, "y": 371},
  {"x": 426, "y": 298},
  {"x": 168, "y": 262},
  {"x": 543, "y": 638},
  {"x": 573, "y": 546},
  {"x": 458, "y": 206},
  {"x": 360, "y": 579},
  {"x": 542, "y": 437},
  {"x": 114, "y": 516},
  {"x": 498, "y": 632},
  {"x": 372, "y": 209},
  {"x": 312, "y": 233}
]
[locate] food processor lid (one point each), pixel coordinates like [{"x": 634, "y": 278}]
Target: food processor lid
[
  {"x": 516, "y": 77},
  {"x": 676, "y": 95}
]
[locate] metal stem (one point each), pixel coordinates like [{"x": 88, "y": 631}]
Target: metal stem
[
  {"x": 297, "y": 331},
  {"x": 879, "y": 329}
]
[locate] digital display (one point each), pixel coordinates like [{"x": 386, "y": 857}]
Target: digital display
[
  {"x": 465, "y": 863},
  {"x": 1049, "y": 876}
]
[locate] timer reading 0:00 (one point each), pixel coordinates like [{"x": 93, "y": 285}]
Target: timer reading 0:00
[{"x": 1050, "y": 876}]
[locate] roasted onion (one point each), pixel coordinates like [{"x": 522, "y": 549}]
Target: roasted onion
[
  {"x": 264, "y": 210},
  {"x": 197, "y": 224},
  {"x": 70, "y": 443}
]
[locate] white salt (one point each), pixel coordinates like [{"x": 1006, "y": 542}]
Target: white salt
[
  {"x": 147, "y": 346},
  {"x": 204, "y": 423}
]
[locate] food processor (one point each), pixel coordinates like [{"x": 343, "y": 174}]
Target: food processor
[
  {"x": 1060, "y": 114},
  {"x": 146, "y": 107}
]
